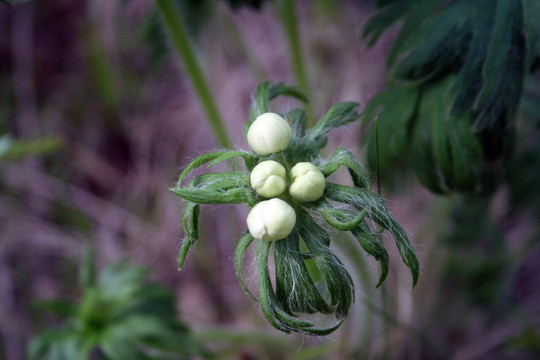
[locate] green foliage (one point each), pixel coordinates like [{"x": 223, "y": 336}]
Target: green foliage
[
  {"x": 309, "y": 277},
  {"x": 18, "y": 149},
  {"x": 120, "y": 316},
  {"x": 456, "y": 78}
]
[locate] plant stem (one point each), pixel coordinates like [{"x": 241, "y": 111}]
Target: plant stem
[
  {"x": 290, "y": 23},
  {"x": 179, "y": 38},
  {"x": 347, "y": 246},
  {"x": 384, "y": 294}
]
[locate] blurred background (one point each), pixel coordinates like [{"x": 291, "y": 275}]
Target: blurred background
[{"x": 98, "y": 116}]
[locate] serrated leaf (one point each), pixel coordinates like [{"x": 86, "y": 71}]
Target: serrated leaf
[
  {"x": 419, "y": 11},
  {"x": 378, "y": 212},
  {"x": 436, "y": 46},
  {"x": 387, "y": 16}
]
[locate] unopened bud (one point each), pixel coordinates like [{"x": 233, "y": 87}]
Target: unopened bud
[{"x": 308, "y": 182}]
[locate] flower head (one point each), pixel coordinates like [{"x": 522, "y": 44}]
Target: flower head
[
  {"x": 271, "y": 220},
  {"x": 284, "y": 227},
  {"x": 269, "y": 134},
  {"x": 268, "y": 179}
]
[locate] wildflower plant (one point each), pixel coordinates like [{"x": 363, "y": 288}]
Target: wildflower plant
[
  {"x": 121, "y": 315},
  {"x": 294, "y": 222}
]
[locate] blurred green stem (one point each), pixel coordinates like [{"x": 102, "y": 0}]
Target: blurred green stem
[
  {"x": 348, "y": 246},
  {"x": 179, "y": 38},
  {"x": 290, "y": 23}
]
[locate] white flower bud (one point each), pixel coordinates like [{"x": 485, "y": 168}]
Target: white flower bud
[
  {"x": 271, "y": 220},
  {"x": 269, "y": 134},
  {"x": 308, "y": 182},
  {"x": 268, "y": 179}
]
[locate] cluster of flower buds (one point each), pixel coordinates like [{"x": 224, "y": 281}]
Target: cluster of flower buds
[
  {"x": 295, "y": 212},
  {"x": 274, "y": 219}
]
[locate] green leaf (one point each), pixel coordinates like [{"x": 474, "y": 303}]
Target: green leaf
[
  {"x": 218, "y": 188},
  {"x": 469, "y": 80},
  {"x": 384, "y": 19},
  {"x": 371, "y": 244},
  {"x": 238, "y": 195},
  {"x": 241, "y": 247},
  {"x": 436, "y": 46},
  {"x": 59, "y": 307},
  {"x": 343, "y": 157},
  {"x": 214, "y": 158},
  {"x": 18, "y": 149},
  {"x": 122, "y": 316},
  {"x": 333, "y": 216},
  {"x": 421, "y": 153},
  {"x": 349, "y": 221},
  {"x": 87, "y": 273},
  {"x": 271, "y": 309},
  {"x": 295, "y": 289},
  {"x": 316, "y": 138},
  {"x": 190, "y": 224},
  {"x": 337, "y": 279},
  {"x": 279, "y": 89},
  {"x": 419, "y": 11},
  {"x": 504, "y": 68},
  {"x": 378, "y": 212}
]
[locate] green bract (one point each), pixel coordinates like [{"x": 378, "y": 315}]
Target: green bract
[
  {"x": 269, "y": 134},
  {"x": 297, "y": 246},
  {"x": 307, "y": 182},
  {"x": 268, "y": 179},
  {"x": 271, "y": 220}
]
